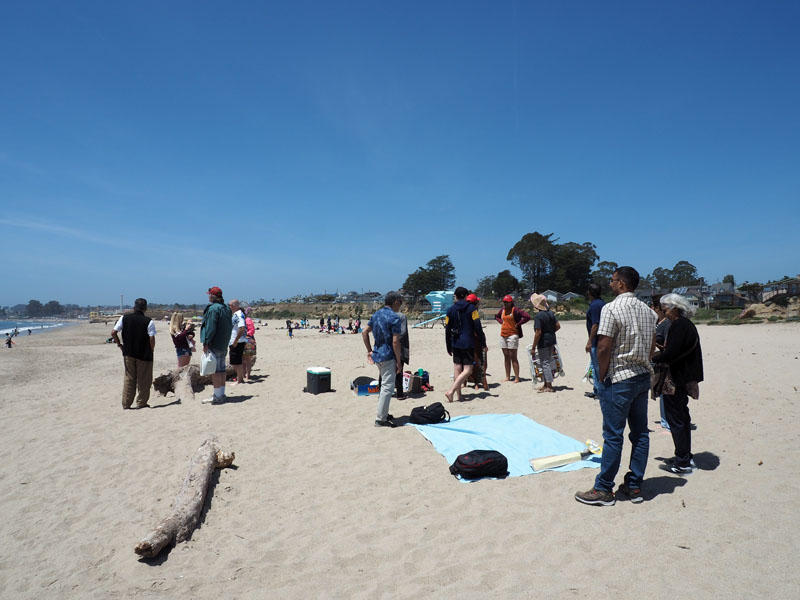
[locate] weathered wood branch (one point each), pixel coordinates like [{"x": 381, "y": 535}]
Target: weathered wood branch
[
  {"x": 188, "y": 505},
  {"x": 186, "y": 381}
]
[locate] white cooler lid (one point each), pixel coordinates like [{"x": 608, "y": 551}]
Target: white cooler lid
[{"x": 319, "y": 370}]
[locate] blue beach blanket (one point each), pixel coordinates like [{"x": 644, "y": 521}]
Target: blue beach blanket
[{"x": 519, "y": 438}]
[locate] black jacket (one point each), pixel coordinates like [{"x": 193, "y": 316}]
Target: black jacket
[{"x": 682, "y": 352}]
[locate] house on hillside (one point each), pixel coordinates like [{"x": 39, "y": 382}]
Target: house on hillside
[
  {"x": 551, "y": 295},
  {"x": 569, "y": 296},
  {"x": 789, "y": 286}
]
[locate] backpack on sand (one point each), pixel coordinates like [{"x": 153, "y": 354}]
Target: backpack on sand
[
  {"x": 429, "y": 415},
  {"x": 480, "y": 463}
]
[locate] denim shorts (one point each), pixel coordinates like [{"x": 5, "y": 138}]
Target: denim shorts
[
  {"x": 220, "y": 356},
  {"x": 183, "y": 352}
]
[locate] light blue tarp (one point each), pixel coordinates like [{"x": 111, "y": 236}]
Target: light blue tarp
[{"x": 516, "y": 436}]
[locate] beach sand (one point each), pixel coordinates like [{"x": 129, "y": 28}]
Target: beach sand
[{"x": 322, "y": 504}]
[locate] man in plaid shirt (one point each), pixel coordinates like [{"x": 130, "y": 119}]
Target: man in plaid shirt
[{"x": 625, "y": 343}]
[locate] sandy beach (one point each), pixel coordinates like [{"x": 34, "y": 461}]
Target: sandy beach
[{"x": 322, "y": 504}]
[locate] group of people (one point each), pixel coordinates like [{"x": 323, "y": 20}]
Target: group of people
[
  {"x": 227, "y": 332},
  {"x": 625, "y": 343},
  {"x": 626, "y": 339}
]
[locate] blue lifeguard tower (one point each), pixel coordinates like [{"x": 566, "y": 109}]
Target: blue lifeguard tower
[{"x": 440, "y": 301}]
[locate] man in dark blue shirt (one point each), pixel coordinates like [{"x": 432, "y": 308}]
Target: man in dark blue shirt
[
  {"x": 592, "y": 322},
  {"x": 462, "y": 327}
]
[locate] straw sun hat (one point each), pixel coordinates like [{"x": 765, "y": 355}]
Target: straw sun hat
[{"x": 539, "y": 302}]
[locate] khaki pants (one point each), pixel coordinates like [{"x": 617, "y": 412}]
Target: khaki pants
[{"x": 138, "y": 373}]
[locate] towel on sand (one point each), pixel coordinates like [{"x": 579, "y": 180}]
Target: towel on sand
[{"x": 519, "y": 438}]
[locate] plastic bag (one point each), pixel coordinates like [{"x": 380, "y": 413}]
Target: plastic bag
[{"x": 208, "y": 363}]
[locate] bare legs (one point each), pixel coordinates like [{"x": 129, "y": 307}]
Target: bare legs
[
  {"x": 460, "y": 374},
  {"x": 184, "y": 360},
  {"x": 510, "y": 360}
]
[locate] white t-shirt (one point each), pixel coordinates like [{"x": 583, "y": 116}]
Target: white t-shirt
[
  {"x": 151, "y": 327},
  {"x": 238, "y": 321}
]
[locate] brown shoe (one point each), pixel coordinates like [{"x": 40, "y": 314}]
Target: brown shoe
[{"x": 596, "y": 497}]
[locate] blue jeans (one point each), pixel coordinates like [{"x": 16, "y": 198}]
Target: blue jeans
[
  {"x": 621, "y": 402},
  {"x": 595, "y": 369}
]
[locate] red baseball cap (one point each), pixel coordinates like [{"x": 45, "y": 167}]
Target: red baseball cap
[
  {"x": 508, "y": 298},
  {"x": 472, "y": 298},
  {"x": 215, "y": 290}
]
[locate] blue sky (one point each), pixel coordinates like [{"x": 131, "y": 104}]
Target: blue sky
[{"x": 157, "y": 148}]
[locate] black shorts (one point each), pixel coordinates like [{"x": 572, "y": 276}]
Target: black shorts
[
  {"x": 236, "y": 353},
  {"x": 463, "y": 356}
]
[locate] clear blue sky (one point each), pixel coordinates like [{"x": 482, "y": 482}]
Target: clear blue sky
[{"x": 157, "y": 148}]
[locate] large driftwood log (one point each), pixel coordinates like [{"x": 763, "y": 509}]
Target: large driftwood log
[
  {"x": 186, "y": 381},
  {"x": 188, "y": 505}
]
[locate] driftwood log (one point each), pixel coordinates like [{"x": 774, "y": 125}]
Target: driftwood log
[
  {"x": 188, "y": 505},
  {"x": 186, "y": 381}
]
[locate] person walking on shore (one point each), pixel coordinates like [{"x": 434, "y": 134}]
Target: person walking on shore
[
  {"x": 385, "y": 326},
  {"x": 625, "y": 342},
  {"x": 138, "y": 342},
  {"x": 511, "y": 320},
  {"x": 462, "y": 325},
  {"x": 215, "y": 335}
]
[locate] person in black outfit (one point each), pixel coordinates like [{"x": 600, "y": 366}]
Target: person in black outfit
[
  {"x": 684, "y": 357},
  {"x": 462, "y": 324}
]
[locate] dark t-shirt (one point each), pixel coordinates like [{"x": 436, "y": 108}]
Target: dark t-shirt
[
  {"x": 593, "y": 317},
  {"x": 546, "y": 322}
]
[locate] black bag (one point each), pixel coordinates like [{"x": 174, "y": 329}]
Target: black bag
[
  {"x": 480, "y": 463},
  {"x": 429, "y": 415}
]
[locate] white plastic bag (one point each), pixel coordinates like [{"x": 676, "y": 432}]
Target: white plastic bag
[{"x": 208, "y": 364}]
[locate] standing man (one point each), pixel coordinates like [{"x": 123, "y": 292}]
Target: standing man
[
  {"x": 215, "y": 335},
  {"x": 238, "y": 339},
  {"x": 138, "y": 341},
  {"x": 625, "y": 342},
  {"x": 462, "y": 327},
  {"x": 592, "y": 323},
  {"x": 385, "y": 326}
]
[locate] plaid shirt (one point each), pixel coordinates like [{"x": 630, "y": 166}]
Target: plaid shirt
[{"x": 632, "y": 326}]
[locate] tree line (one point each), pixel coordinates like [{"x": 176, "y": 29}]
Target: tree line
[{"x": 546, "y": 263}]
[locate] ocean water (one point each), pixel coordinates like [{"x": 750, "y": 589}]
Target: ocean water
[{"x": 23, "y": 326}]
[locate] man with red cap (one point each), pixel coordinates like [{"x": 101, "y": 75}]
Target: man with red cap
[{"x": 215, "y": 334}]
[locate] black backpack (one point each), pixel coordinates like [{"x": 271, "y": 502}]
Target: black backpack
[
  {"x": 480, "y": 463},
  {"x": 429, "y": 415}
]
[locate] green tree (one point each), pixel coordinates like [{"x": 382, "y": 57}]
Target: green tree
[
  {"x": 505, "y": 283},
  {"x": 602, "y": 274},
  {"x": 438, "y": 274},
  {"x": 572, "y": 266},
  {"x": 729, "y": 279},
  {"x": 752, "y": 290},
  {"x": 34, "y": 308},
  {"x": 52, "y": 308},
  {"x": 533, "y": 255},
  {"x": 684, "y": 273},
  {"x": 485, "y": 286}
]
